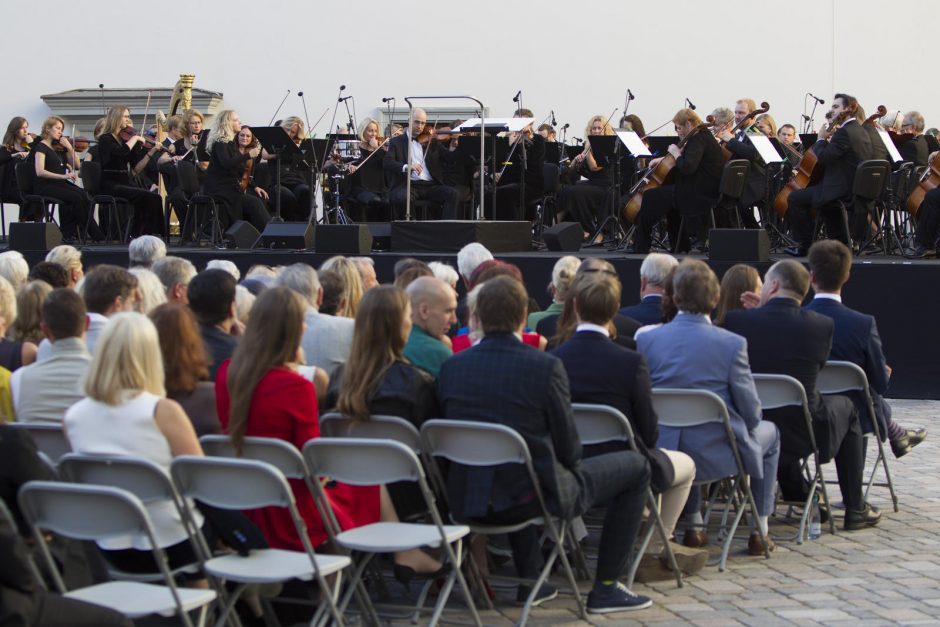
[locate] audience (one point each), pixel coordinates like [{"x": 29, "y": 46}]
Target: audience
[
  {"x": 667, "y": 306},
  {"x": 152, "y": 292},
  {"x": 740, "y": 289},
  {"x": 145, "y": 250},
  {"x": 186, "y": 366},
  {"x": 244, "y": 301},
  {"x": 212, "y": 299},
  {"x": 352, "y": 285},
  {"x": 410, "y": 273},
  {"x": 29, "y": 312},
  {"x": 562, "y": 277},
  {"x": 334, "y": 297},
  {"x": 52, "y": 273},
  {"x": 13, "y": 268},
  {"x": 468, "y": 258},
  {"x": 366, "y": 268},
  {"x": 108, "y": 290},
  {"x": 69, "y": 258},
  {"x": 225, "y": 264},
  {"x": 175, "y": 273},
  {"x": 13, "y": 354},
  {"x": 474, "y": 332},
  {"x": 433, "y": 311},
  {"x": 44, "y": 390},
  {"x": 654, "y": 270},
  {"x": 445, "y": 272}
]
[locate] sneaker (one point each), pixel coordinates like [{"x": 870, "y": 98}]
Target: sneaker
[
  {"x": 546, "y": 593},
  {"x": 615, "y": 598}
]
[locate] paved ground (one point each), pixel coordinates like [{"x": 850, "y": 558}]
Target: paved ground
[{"x": 883, "y": 576}]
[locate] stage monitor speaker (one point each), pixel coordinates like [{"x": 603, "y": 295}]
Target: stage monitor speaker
[
  {"x": 381, "y": 236},
  {"x": 34, "y": 236},
  {"x": 343, "y": 239},
  {"x": 745, "y": 245},
  {"x": 564, "y": 236},
  {"x": 290, "y": 235},
  {"x": 449, "y": 236},
  {"x": 241, "y": 235}
]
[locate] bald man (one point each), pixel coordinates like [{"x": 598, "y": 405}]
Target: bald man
[
  {"x": 426, "y": 171},
  {"x": 433, "y": 311}
]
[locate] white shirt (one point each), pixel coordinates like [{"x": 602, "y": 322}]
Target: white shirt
[
  {"x": 830, "y": 296},
  {"x": 686, "y": 313},
  {"x": 588, "y": 326},
  {"x": 417, "y": 158}
]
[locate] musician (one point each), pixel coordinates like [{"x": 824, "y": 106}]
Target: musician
[
  {"x": 367, "y": 183},
  {"x": 787, "y": 135},
  {"x": 547, "y": 131},
  {"x": 694, "y": 191},
  {"x": 766, "y": 124},
  {"x": 15, "y": 148},
  {"x": 587, "y": 201},
  {"x": 928, "y": 222},
  {"x": 226, "y": 166},
  {"x": 932, "y": 142},
  {"x": 839, "y": 148},
  {"x": 187, "y": 146},
  {"x": 528, "y": 153},
  {"x": 426, "y": 169},
  {"x": 755, "y": 190},
  {"x": 915, "y": 149},
  {"x": 630, "y": 166},
  {"x": 121, "y": 160},
  {"x": 633, "y": 123},
  {"x": 246, "y": 141}
]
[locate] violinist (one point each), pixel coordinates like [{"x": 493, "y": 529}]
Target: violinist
[
  {"x": 122, "y": 156},
  {"x": 839, "y": 148},
  {"x": 15, "y": 148},
  {"x": 586, "y": 201},
  {"x": 56, "y": 173},
  {"x": 187, "y": 146},
  {"x": 295, "y": 174},
  {"x": 367, "y": 183},
  {"x": 766, "y": 124},
  {"x": 426, "y": 169},
  {"x": 529, "y": 154},
  {"x": 740, "y": 147},
  {"x": 694, "y": 191},
  {"x": 250, "y": 181},
  {"x": 227, "y": 163},
  {"x": 915, "y": 149},
  {"x": 630, "y": 166}
]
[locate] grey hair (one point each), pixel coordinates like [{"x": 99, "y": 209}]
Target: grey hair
[
  {"x": 303, "y": 279},
  {"x": 656, "y": 267},
  {"x": 145, "y": 250},
  {"x": 174, "y": 271},
  {"x": 471, "y": 256}
]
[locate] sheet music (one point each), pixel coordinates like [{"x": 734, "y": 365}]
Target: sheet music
[
  {"x": 633, "y": 143},
  {"x": 764, "y": 148},
  {"x": 511, "y": 124},
  {"x": 892, "y": 149}
]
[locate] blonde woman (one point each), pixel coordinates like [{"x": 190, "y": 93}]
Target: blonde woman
[
  {"x": 562, "y": 277},
  {"x": 27, "y": 327},
  {"x": 352, "y": 282},
  {"x": 226, "y": 166},
  {"x": 367, "y": 185},
  {"x": 295, "y": 176},
  {"x": 69, "y": 258},
  {"x": 152, "y": 292},
  {"x": 587, "y": 200},
  {"x": 13, "y": 354},
  {"x": 766, "y": 124},
  {"x": 187, "y": 147}
]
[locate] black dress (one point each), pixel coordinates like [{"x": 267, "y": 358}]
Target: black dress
[
  {"x": 226, "y": 166},
  {"x": 367, "y": 187},
  {"x": 587, "y": 201},
  {"x": 9, "y": 190},
  {"x": 75, "y": 204},
  {"x": 117, "y": 161},
  {"x": 295, "y": 187}
]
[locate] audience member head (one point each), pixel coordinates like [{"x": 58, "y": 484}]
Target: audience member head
[
  {"x": 739, "y": 278},
  {"x": 260, "y": 269},
  {"x": 653, "y": 272},
  {"x": 491, "y": 269},
  {"x": 224, "y": 264},
  {"x": 109, "y": 290},
  {"x": 412, "y": 272},
  {"x": 830, "y": 262},
  {"x": 352, "y": 284},
  {"x": 13, "y": 268},
  {"x": 152, "y": 293},
  {"x": 303, "y": 280},
  {"x": 185, "y": 360},
  {"x": 596, "y": 298},
  {"x": 366, "y": 268},
  {"x": 445, "y": 272},
  {"x": 383, "y": 324},
  {"x": 668, "y": 306},
  {"x": 695, "y": 287},
  {"x": 63, "y": 315},
  {"x": 7, "y": 306},
  {"x": 244, "y": 301},
  {"x": 501, "y": 305},
  {"x": 257, "y": 283},
  {"x": 29, "y": 299},
  {"x": 563, "y": 276},
  {"x": 52, "y": 273},
  {"x": 433, "y": 305},
  {"x": 333, "y": 291},
  {"x": 212, "y": 297},
  {"x": 403, "y": 264},
  {"x": 69, "y": 258},
  {"x": 145, "y": 250},
  {"x": 175, "y": 273},
  {"x": 469, "y": 257},
  {"x": 786, "y": 279},
  {"x": 127, "y": 358},
  {"x": 272, "y": 340},
  {"x": 568, "y": 319}
]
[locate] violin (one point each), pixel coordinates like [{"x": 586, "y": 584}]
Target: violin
[
  {"x": 24, "y": 144},
  {"x": 80, "y": 144},
  {"x": 129, "y": 131},
  {"x": 746, "y": 121},
  {"x": 247, "y": 175}
]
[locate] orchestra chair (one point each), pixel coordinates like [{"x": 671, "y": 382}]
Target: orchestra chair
[
  {"x": 196, "y": 200},
  {"x": 730, "y": 189},
  {"x": 42, "y": 205},
  {"x": 872, "y": 179},
  {"x": 91, "y": 180}
]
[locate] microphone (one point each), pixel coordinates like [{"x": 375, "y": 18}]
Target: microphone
[
  {"x": 103, "y": 110},
  {"x": 689, "y": 103},
  {"x": 630, "y": 95},
  {"x": 516, "y": 97},
  {"x": 578, "y": 140},
  {"x": 565, "y": 127},
  {"x": 344, "y": 99},
  {"x": 342, "y": 87},
  {"x": 553, "y": 119},
  {"x": 819, "y": 100},
  {"x": 387, "y": 99}
]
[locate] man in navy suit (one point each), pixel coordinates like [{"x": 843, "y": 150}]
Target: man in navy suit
[
  {"x": 501, "y": 380},
  {"x": 783, "y": 338},
  {"x": 856, "y": 340},
  {"x": 654, "y": 272}
]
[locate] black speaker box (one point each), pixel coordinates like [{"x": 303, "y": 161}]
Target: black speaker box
[
  {"x": 292, "y": 235},
  {"x": 242, "y": 235},
  {"x": 449, "y": 236},
  {"x": 344, "y": 239},
  {"x": 564, "y": 236},
  {"x": 746, "y": 245},
  {"x": 34, "y": 236}
]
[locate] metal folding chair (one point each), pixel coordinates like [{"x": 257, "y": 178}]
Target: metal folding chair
[
  {"x": 49, "y": 439},
  {"x": 336, "y": 425}
]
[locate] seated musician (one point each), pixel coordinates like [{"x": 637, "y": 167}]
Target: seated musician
[
  {"x": 547, "y": 131},
  {"x": 755, "y": 189},
  {"x": 426, "y": 170},
  {"x": 528, "y": 153},
  {"x": 187, "y": 146},
  {"x": 14, "y": 149},
  {"x": 787, "y": 135},
  {"x": 928, "y": 222},
  {"x": 295, "y": 175},
  {"x": 630, "y": 166},
  {"x": 915, "y": 149},
  {"x": 693, "y": 190},
  {"x": 588, "y": 200},
  {"x": 840, "y": 147},
  {"x": 367, "y": 178}
]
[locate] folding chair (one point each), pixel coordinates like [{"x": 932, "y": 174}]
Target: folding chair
[
  {"x": 681, "y": 408},
  {"x": 86, "y": 512},
  {"x": 779, "y": 390},
  {"x": 839, "y": 377},
  {"x": 91, "y": 180},
  {"x": 241, "y": 484},
  {"x": 49, "y": 439},
  {"x": 336, "y": 425},
  {"x": 484, "y": 444},
  {"x": 598, "y": 424}
]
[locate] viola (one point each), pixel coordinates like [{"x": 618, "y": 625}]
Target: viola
[
  {"x": 129, "y": 131},
  {"x": 245, "y": 181},
  {"x": 80, "y": 144}
]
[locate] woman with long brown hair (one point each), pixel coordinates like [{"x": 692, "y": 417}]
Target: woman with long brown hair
[
  {"x": 13, "y": 149},
  {"x": 740, "y": 279}
]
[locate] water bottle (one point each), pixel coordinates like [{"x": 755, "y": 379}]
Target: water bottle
[{"x": 815, "y": 520}]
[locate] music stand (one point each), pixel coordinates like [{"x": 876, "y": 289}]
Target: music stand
[
  {"x": 496, "y": 152},
  {"x": 606, "y": 152},
  {"x": 659, "y": 144},
  {"x": 276, "y": 141},
  {"x": 807, "y": 140}
]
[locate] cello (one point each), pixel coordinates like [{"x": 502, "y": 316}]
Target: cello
[{"x": 931, "y": 182}]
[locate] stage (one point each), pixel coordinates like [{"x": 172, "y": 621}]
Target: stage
[{"x": 899, "y": 293}]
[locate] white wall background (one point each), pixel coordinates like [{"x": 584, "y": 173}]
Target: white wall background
[{"x": 577, "y": 58}]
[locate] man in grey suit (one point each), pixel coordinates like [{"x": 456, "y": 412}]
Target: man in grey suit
[
  {"x": 690, "y": 352},
  {"x": 327, "y": 339},
  {"x": 42, "y": 391}
]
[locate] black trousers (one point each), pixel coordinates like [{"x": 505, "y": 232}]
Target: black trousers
[
  {"x": 928, "y": 219},
  {"x": 799, "y": 207},
  {"x": 74, "y": 207},
  {"x": 585, "y": 201},
  {"x": 236, "y": 205},
  {"x": 295, "y": 200},
  {"x": 660, "y": 202},
  {"x": 147, "y": 218},
  {"x": 429, "y": 191}
]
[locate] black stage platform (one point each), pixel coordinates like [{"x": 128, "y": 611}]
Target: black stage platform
[{"x": 902, "y": 295}]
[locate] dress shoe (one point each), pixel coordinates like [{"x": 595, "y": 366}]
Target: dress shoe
[
  {"x": 796, "y": 251},
  {"x": 695, "y": 538},
  {"x": 755, "y": 546},
  {"x": 689, "y": 560},
  {"x": 869, "y": 516},
  {"x": 916, "y": 436},
  {"x": 919, "y": 251}
]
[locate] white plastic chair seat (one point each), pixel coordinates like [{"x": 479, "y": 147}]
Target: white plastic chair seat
[
  {"x": 273, "y": 565},
  {"x": 135, "y": 599},
  {"x": 386, "y": 537}
]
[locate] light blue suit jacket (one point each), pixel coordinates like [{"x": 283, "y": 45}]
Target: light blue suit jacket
[{"x": 690, "y": 352}]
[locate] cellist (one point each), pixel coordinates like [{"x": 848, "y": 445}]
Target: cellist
[
  {"x": 693, "y": 191},
  {"x": 928, "y": 220}
]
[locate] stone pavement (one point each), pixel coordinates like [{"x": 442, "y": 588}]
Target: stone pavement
[{"x": 887, "y": 575}]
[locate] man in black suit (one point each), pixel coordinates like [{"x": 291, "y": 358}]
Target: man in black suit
[
  {"x": 697, "y": 176},
  {"x": 654, "y": 272},
  {"x": 856, "y": 340},
  {"x": 503, "y": 381},
  {"x": 783, "y": 338},
  {"x": 211, "y": 296},
  {"x": 915, "y": 149},
  {"x": 839, "y": 152},
  {"x": 426, "y": 170},
  {"x": 740, "y": 147}
]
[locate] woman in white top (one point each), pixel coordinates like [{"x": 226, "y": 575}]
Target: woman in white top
[{"x": 125, "y": 413}]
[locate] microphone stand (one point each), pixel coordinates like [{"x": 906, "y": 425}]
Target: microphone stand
[
  {"x": 350, "y": 126},
  {"x": 312, "y": 167},
  {"x": 277, "y": 172},
  {"x": 326, "y": 147}
]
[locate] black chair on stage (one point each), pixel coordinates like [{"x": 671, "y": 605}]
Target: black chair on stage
[
  {"x": 91, "y": 180},
  {"x": 870, "y": 179},
  {"x": 189, "y": 183},
  {"x": 38, "y": 207},
  {"x": 730, "y": 190},
  {"x": 546, "y": 208}
]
